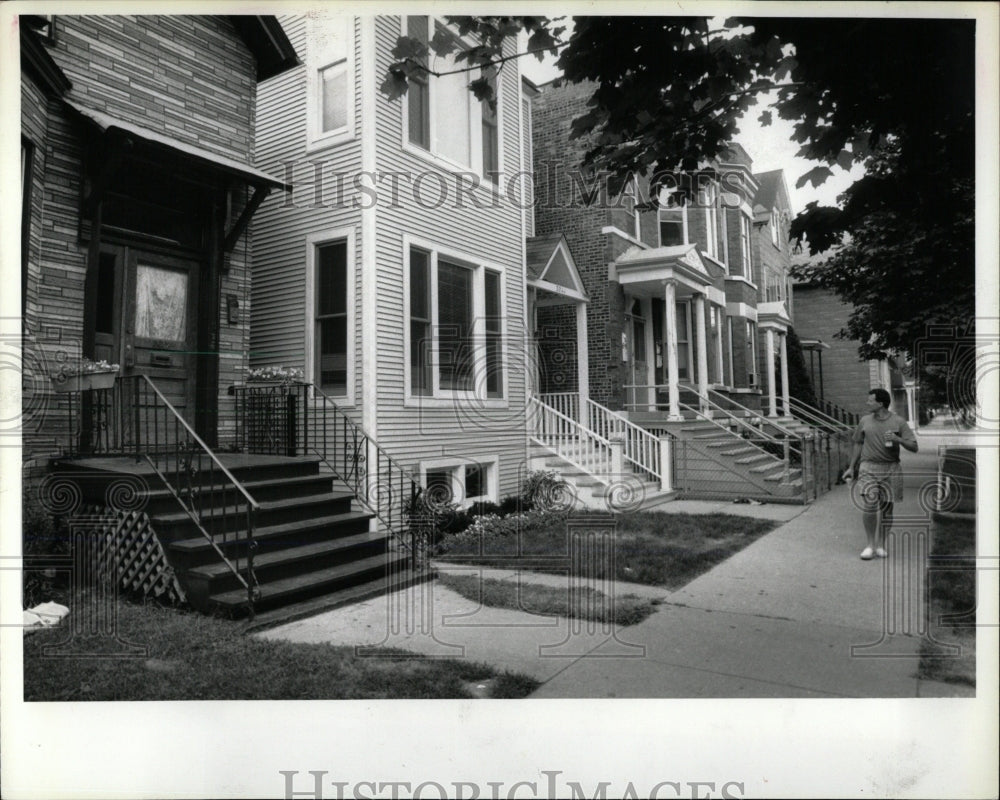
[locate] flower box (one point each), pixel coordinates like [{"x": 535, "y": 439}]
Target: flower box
[{"x": 84, "y": 382}]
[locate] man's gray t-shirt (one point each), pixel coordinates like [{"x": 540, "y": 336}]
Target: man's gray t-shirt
[{"x": 870, "y": 433}]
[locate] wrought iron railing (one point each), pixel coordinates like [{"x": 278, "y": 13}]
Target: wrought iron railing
[
  {"x": 298, "y": 419},
  {"x": 134, "y": 419},
  {"x": 838, "y": 413},
  {"x": 813, "y": 416}
]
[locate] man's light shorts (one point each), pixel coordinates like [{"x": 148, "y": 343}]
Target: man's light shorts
[{"x": 877, "y": 484}]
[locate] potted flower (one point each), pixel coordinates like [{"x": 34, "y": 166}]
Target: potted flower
[
  {"x": 275, "y": 374},
  {"x": 84, "y": 375}
]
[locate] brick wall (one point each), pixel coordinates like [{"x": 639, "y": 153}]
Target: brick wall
[
  {"x": 189, "y": 77},
  {"x": 820, "y": 314}
]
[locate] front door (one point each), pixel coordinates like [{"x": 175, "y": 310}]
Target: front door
[
  {"x": 636, "y": 375},
  {"x": 147, "y": 320}
]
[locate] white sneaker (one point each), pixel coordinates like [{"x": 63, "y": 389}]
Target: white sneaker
[
  {"x": 880, "y": 552},
  {"x": 866, "y": 554}
]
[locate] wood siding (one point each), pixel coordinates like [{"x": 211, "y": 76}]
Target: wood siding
[{"x": 492, "y": 235}]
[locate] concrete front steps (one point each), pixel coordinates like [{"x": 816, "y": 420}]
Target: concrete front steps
[
  {"x": 593, "y": 488},
  {"x": 715, "y": 463},
  {"x": 315, "y": 546}
]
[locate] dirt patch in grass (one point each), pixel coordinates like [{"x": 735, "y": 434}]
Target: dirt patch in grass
[
  {"x": 188, "y": 656},
  {"x": 584, "y": 603},
  {"x": 655, "y": 549},
  {"x": 951, "y": 592}
]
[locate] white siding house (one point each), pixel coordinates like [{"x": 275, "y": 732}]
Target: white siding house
[{"x": 393, "y": 274}]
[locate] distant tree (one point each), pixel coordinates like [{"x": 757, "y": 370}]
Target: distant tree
[{"x": 895, "y": 95}]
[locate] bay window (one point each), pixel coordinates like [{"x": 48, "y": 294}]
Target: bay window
[
  {"x": 455, "y": 326},
  {"x": 442, "y": 116}
]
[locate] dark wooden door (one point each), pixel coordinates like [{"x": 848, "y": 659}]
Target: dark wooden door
[{"x": 160, "y": 325}]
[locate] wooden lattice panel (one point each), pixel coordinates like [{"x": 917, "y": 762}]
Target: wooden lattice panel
[{"x": 126, "y": 544}]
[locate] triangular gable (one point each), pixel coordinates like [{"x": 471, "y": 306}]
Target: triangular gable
[{"x": 559, "y": 274}]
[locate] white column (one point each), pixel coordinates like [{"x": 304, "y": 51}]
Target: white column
[
  {"x": 583, "y": 363},
  {"x": 772, "y": 395},
  {"x": 699, "y": 318},
  {"x": 670, "y": 331},
  {"x": 786, "y": 405}
]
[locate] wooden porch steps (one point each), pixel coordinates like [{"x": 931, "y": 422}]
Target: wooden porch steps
[{"x": 314, "y": 546}]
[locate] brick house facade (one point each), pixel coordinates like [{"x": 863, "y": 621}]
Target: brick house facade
[{"x": 138, "y": 185}]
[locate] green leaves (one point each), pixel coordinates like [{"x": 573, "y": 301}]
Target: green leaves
[{"x": 815, "y": 176}]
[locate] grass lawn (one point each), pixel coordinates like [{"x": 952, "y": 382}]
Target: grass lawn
[
  {"x": 532, "y": 598},
  {"x": 666, "y": 550},
  {"x": 951, "y": 592},
  {"x": 193, "y": 657}
]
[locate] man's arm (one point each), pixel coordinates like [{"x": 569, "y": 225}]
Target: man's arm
[
  {"x": 906, "y": 439},
  {"x": 855, "y": 462}
]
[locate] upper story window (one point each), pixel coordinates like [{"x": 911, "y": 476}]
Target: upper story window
[
  {"x": 630, "y": 204},
  {"x": 673, "y": 221},
  {"x": 330, "y": 79},
  {"x": 455, "y": 327},
  {"x": 709, "y": 197},
  {"x": 745, "y": 246},
  {"x": 442, "y": 116},
  {"x": 775, "y": 227}
]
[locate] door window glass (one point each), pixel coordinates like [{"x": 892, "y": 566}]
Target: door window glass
[{"x": 160, "y": 303}]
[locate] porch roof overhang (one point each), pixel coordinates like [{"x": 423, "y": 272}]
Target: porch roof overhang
[
  {"x": 551, "y": 270},
  {"x": 814, "y": 344},
  {"x": 646, "y": 269},
  {"x": 157, "y": 142},
  {"x": 773, "y": 315}
]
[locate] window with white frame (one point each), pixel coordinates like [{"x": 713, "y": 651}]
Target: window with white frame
[
  {"x": 684, "y": 372},
  {"x": 672, "y": 218},
  {"x": 442, "y": 116},
  {"x": 751, "y": 333},
  {"x": 745, "y": 246},
  {"x": 330, "y": 79},
  {"x": 729, "y": 344},
  {"x": 331, "y": 338},
  {"x": 460, "y": 481},
  {"x": 715, "y": 328},
  {"x": 775, "y": 228},
  {"x": 710, "y": 200},
  {"x": 630, "y": 204},
  {"x": 455, "y": 326}
]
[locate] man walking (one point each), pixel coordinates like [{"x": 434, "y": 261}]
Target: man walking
[{"x": 875, "y": 463}]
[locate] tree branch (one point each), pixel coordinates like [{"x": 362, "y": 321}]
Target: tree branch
[{"x": 493, "y": 62}]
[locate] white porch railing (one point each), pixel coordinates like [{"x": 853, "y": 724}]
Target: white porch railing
[
  {"x": 567, "y": 403},
  {"x": 570, "y": 440},
  {"x": 639, "y": 447},
  {"x": 607, "y": 446}
]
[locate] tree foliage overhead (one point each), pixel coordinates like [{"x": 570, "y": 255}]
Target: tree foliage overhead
[{"x": 895, "y": 95}]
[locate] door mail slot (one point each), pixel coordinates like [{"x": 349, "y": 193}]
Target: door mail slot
[{"x": 158, "y": 360}]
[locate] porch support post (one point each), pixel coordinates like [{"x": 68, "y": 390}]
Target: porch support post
[
  {"x": 772, "y": 395},
  {"x": 670, "y": 331},
  {"x": 699, "y": 317},
  {"x": 785, "y": 402},
  {"x": 582, "y": 364}
]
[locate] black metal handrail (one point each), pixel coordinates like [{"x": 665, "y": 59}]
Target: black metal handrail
[
  {"x": 817, "y": 418},
  {"x": 135, "y": 419},
  {"x": 299, "y": 419},
  {"x": 838, "y": 413}
]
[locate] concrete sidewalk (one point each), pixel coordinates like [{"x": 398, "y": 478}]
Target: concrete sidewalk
[{"x": 795, "y": 614}]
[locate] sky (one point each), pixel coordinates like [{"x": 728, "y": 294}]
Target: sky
[{"x": 771, "y": 147}]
